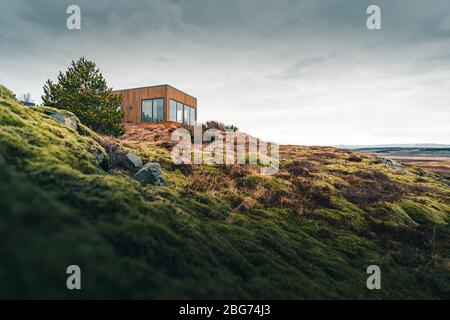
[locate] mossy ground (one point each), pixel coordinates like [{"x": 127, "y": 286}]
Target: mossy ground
[{"x": 215, "y": 231}]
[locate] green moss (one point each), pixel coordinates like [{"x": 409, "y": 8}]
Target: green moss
[
  {"x": 31, "y": 139},
  {"x": 268, "y": 182},
  {"x": 7, "y": 95},
  {"x": 244, "y": 237},
  {"x": 424, "y": 214}
]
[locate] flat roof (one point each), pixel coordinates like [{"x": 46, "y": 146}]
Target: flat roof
[{"x": 158, "y": 85}]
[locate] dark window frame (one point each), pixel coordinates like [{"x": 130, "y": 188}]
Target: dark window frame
[
  {"x": 182, "y": 112},
  {"x": 153, "y": 111},
  {"x": 170, "y": 110}
]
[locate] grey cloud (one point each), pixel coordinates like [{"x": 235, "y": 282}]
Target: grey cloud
[
  {"x": 260, "y": 19},
  {"x": 303, "y": 67},
  {"x": 309, "y": 59}
]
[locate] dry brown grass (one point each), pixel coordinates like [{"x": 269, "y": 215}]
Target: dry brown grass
[
  {"x": 366, "y": 188},
  {"x": 149, "y": 132},
  {"x": 301, "y": 168}
]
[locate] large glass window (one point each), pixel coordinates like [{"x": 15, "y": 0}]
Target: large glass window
[
  {"x": 182, "y": 113},
  {"x": 179, "y": 112},
  {"x": 147, "y": 111},
  {"x": 192, "y": 117},
  {"x": 152, "y": 110},
  {"x": 158, "y": 110},
  {"x": 186, "y": 115},
  {"x": 173, "y": 111}
]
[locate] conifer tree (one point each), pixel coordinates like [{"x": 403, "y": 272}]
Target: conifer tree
[{"x": 83, "y": 90}]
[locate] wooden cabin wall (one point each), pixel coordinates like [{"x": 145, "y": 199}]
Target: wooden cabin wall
[{"x": 131, "y": 104}]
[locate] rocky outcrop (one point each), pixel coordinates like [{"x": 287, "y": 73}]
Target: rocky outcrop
[
  {"x": 69, "y": 120},
  {"x": 101, "y": 159},
  {"x": 120, "y": 157},
  {"x": 151, "y": 173},
  {"x": 127, "y": 159},
  {"x": 390, "y": 163}
]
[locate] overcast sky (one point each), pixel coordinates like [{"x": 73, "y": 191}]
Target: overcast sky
[{"x": 299, "y": 71}]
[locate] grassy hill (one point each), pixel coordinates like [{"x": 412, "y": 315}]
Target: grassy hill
[{"x": 214, "y": 231}]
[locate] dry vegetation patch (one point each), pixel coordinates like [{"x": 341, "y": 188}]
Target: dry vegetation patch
[{"x": 366, "y": 188}]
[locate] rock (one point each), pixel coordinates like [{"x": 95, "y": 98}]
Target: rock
[
  {"x": 397, "y": 166},
  {"x": 151, "y": 173},
  {"x": 390, "y": 163},
  {"x": 133, "y": 159},
  {"x": 126, "y": 159},
  {"x": 66, "y": 119},
  {"x": 119, "y": 156},
  {"x": 101, "y": 159}
]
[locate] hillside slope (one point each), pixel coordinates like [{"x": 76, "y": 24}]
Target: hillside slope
[{"x": 214, "y": 231}]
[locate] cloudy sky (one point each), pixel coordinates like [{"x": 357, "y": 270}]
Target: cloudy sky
[{"x": 298, "y": 71}]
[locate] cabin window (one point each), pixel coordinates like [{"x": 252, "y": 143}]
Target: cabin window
[
  {"x": 158, "y": 110},
  {"x": 192, "y": 117},
  {"x": 147, "y": 111},
  {"x": 152, "y": 110},
  {"x": 179, "y": 112},
  {"x": 182, "y": 113},
  {"x": 173, "y": 110},
  {"x": 186, "y": 115}
]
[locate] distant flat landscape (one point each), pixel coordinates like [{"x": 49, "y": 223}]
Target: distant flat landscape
[{"x": 434, "y": 158}]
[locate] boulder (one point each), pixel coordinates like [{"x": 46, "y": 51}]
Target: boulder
[
  {"x": 151, "y": 173},
  {"x": 119, "y": 156},
  {"x": 68, "y": 120},
  {"x": 101, "y": 159},
  {"x": 397, "y": 166},
  {"x": 390, "y": 163},
  {"x": 126, "y": 159}
]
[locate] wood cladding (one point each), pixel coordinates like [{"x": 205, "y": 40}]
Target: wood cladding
[{"x": 132, "y": 100}]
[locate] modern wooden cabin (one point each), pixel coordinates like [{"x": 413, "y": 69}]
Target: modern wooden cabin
[{"x": 161, "y": 103}]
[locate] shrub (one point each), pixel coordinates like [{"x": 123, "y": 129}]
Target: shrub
[
  {"x": 311, "y": 195},
  {"x": 371, "y": 187},
  {"x": 300, "y": 168},
  {"x": 83, "y": 91},
  {"x": 354, "y": 158}
]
